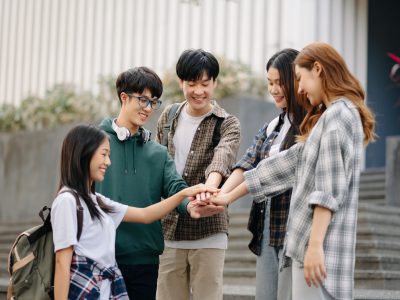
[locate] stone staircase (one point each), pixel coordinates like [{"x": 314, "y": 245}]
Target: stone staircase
[
  {"x": 8, "y": 234},
  {"x": 377, "y": 248}
]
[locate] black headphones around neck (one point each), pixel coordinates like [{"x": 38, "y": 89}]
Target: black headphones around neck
[{"x": 123, "y": 133}]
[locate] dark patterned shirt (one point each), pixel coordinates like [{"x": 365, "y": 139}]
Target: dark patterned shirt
[{"x": 279, "y": 204}]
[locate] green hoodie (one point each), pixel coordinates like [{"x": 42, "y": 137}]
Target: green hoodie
[{"x": 139, "y": 175}]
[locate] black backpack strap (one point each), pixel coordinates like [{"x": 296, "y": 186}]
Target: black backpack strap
[
  {"x": 79, "y": 212},
  {"x": 217, "y": 132},
  {"x": 167, "y": 126}
]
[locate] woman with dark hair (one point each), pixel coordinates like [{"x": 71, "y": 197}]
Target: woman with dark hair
[
  {"x": 323, "y": 169},
  {"x": 86, "y": 268},
  {"x": 268, "y": 218}
]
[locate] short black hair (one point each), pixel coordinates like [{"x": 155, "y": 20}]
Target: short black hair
[
  {"x": 138, "y": 79},
  {"x": 194, "y": 62}
]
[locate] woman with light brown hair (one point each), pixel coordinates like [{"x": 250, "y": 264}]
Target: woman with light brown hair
[{"x": 323, "y": 169}]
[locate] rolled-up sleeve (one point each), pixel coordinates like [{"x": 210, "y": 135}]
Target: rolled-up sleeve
[
  {"x": 226, "y": 150},
  {"x": 273, "y": 175},
  {"x": 330, "y": 175}
]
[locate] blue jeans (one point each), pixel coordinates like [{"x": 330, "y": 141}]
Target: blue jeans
[{"x": 270, "y": 283}]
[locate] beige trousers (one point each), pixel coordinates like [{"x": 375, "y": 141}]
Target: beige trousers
[{"x": 191, "y": 271}]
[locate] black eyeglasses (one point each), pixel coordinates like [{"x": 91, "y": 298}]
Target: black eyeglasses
[{"x": 155, "y": 103}]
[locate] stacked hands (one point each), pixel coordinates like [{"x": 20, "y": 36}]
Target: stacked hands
[{"x": 204, "y": 200}]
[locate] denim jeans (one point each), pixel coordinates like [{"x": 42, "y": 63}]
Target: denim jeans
[{"x": 271, "y": 284}]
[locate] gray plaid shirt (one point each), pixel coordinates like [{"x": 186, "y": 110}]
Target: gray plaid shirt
[{"x": 324, "y": 171}]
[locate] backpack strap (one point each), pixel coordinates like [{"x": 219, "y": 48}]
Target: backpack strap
[
  {"x": 79, "y": 212},
  {"x": 217, "y": 132},
  {"x": 167, "y": 126}
]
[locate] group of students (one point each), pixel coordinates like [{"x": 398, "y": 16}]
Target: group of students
[{"x": 302, "y": 172}]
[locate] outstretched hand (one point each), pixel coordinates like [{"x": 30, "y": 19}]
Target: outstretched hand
[
  {"x": 198, "y": 189},
  {"x": 217, "y": 199},
  {"x": 198, "y": 209}
]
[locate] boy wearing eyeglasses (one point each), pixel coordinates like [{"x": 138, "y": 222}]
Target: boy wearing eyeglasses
[
  {"x": 193, "y": 259},
  {"x": 141, "y": 174}
]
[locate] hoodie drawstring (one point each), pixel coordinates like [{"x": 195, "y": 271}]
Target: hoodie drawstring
[
  {"x": 134, "y": 156},
  {"x": 126, "y": 158}
]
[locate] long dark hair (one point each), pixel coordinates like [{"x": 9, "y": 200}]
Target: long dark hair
[
  {"x": 77, "y": 151},
  {"x": 283, "y": 62}
]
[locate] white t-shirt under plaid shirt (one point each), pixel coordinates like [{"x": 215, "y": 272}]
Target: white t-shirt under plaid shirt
[{"x": 324, "y": 171}]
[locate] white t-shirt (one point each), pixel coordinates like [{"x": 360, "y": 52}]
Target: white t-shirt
[
  {"x": 276, "y": 145},
  {"x": 97, "y": 240},
  {"x": 183, "y": 137}
]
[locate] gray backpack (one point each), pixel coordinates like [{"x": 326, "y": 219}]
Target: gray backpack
[{"x": 31, "y": 261}]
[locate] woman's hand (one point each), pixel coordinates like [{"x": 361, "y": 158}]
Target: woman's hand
[
  {"x": 221, "y": 199},
  {"x": 314, "y": 265},
  {"x": 200, "y": 191}
]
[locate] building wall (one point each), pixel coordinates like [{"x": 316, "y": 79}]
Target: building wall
[
  {"x": 44, "y": 42},
  {"x": 383, "y": 94}
]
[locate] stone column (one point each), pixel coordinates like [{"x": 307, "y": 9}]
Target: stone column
[{"x": 393, "y": 170}]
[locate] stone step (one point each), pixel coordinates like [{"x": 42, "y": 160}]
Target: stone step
[
  {"x": 17, "y": 227},
  {"x": 381, "y": 279},
  {"x": 364, "y": 217},
  {"x": 8, "y": 237},
  {"x": 378, "y": 232},
  {"x": 238, "y": 245},
  {"x": 377, "y": 262},
  {"x": 371, "y": 218},
  {"x": 364, "y": 232},
  {"x": 372, "y": 247},
  {"x": 363, "y": 261},
  {"x": 389, "y": 247},
  {"x": 240, "y": 260},
  {"x": 371, "y": 194},
  {"x": 371, "y": 173},
  {"x": 247, "y": 292},
  {"x": 242, "y": 215},
  {"x": 364, "y": 279},
  {"x": 373, "y": 201},
  {"x": 372, "y": 185},
  {"x": 5, "y": 248},
  {"x": 372, "y": 178},
  {"x": 379, "y": 209}
]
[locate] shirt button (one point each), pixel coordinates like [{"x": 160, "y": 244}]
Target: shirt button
[
  {"x": 198, "y": 128},
  {"x": 186, "y": 174},
  {"x": 191, "y": 152}
]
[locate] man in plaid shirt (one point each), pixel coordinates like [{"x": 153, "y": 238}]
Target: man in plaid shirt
[{"x": 194, "y": 255}]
